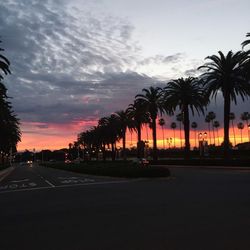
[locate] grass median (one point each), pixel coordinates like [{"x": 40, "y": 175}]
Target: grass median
[{"x": 125, "y": 169}]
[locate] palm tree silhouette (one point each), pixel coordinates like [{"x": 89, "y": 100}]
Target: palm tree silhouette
[
  {"x": 212, "y": 116},
  {"x": 186, "y": 94},
  {"x": 245, "y": 116},
  {"x": 162, "y": 123},
  {"x": 194, "y": 126},
  {"x": 173, "y": 126},
  {"x": 225, "y": 74},
  {"x": 138, "y": 117},
  {"x": 232, "y": 118},
  {"x": 179, "y": 118},
  {"x": 207, "y": 120},
  {"x": 246, "y": 42},
  {"x": 151, "y": 100},
  {"x": 216, "y": 125},
  {"x": 240, "y": 127},
  {"x": 124, "y": 123},
  {"x": 4, "y": 64}
]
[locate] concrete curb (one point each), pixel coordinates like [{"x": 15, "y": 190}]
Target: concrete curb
[
  {"x": 4, "y": 173},
  {"x": 206, "y": 167}
]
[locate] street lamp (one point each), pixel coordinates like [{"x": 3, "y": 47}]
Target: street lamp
[{"x": 203, "y": 145}]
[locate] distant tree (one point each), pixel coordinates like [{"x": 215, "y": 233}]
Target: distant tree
[
  {"x": 216, "y": 125},
  {"x": 245, "y": 116},
  {"x": 173, "y": 126},
  {"x": 226, "y": 74},
  {"x": 208, "y": 121},
  {"x": 232, "y": 118},
  {"x": 240, "y": 127},
  {"x": 179, "y": 118},
  {"x": 194, "y": 126},
  {"x": 212, "y": 116},
  {"x": 162, "y": 123}
]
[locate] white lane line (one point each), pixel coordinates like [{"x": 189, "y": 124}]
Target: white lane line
[
  {"x": 73, "y": 185},
  {"x": 20, "y": 180},
  {"x": 49, "y": 183}
]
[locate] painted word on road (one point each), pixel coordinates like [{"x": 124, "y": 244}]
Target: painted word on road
[{"x": 18, "y": 184}]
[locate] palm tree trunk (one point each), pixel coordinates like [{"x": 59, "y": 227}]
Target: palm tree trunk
[
  {"x": 163, "y": 137},
  {"x": 138, "y": 140},
  {"x": 234, "y": 133},
  {"x": 154, "y": 139},
  {"x": 124, "y": 145},
  {"x": 174, "y": 138},
  {"x": 180, "y": 136},
  {"x": 187, "y": 132},
  {"x": 213, "y": 131},
  {"x": 226, "y": 124},
  {"x": 113, "y": 151},
  {"x": 218, "y": 139},
  {"x": 209, "y": 131}
]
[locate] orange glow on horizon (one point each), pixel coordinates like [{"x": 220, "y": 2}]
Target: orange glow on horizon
[{"x": 56, "y": 136}]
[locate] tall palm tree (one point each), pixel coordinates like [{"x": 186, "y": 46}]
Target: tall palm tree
[
  {"x": 4, "y": 63},
  {"x": 232, "y": 118},
  {"x": 212, "y": 116},
  {"x": 179, "y": 118},
  {"x": 187, "y": 94},
  {"x": 208, "y": 121},
  {"x": 216, "y": 125},
  {"x": 162, "y": 123},
  {"x": 225, "y": 74},
  {"x": 240, "y": 126},
  {"x": 138, "y": 117},
  {"x": 173, "y": 126},
  {"x": 245, "y": 116},
  {"x": 151, "y": 100},
  {"x": 194, "y": 126},
  {"x": 124, "y": 123}
]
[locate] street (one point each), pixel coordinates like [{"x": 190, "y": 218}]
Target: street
[{"x": 43, "y": 208}]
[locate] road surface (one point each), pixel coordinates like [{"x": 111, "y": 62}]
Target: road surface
[{"x": 43, "y": 208}]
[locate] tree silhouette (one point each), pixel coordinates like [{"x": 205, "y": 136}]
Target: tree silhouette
[
  {"x": 173, "y": 126},
  {"x": 162, "y": 123},
  {"x": 212, "y": 116},
  {"x": 240, "y": 127},
  {"x": 186, "y": 94},
  {"x": 151, "y": 100},
  {"x": 216, "y": 125},
  {"x": 232, "y": 118},
  {"x": 246, "y": 42},
  {"x": 194, "y": 126},
  {"x": 245, "y": 116},
  {"x": 225, "y": 74},
  {"x": 207, "y": 120},
  {"x": 179, "y": 118},
  {"x": 4, "y": 64}
]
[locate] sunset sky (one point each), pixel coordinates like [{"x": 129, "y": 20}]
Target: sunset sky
[{"x": 75, "y": 61}]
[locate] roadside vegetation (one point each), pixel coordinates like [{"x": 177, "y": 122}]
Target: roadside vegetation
[{"x": 125, "y": 169}]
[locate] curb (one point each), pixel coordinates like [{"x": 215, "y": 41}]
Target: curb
[
  {"x": 4, "y": 173},
  {"x": 206, "y": 167}
]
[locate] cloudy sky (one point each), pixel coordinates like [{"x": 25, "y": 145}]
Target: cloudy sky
[{"x": 75, "y": 61}]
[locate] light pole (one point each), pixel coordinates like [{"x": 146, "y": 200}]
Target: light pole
[{"x": 203, "y": 146}]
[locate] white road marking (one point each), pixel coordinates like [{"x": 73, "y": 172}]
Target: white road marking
[
  {"x": 73, "y": 185},
  {"x": 20, "y": 180},
  {"x": 52, "y": 185}
]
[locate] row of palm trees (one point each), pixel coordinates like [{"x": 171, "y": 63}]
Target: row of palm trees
[
  {"x": 10, "y": 133},
  {"x": 226, "y": 74}
]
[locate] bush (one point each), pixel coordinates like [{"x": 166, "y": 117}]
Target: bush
[{"x": 113, "y": 169}]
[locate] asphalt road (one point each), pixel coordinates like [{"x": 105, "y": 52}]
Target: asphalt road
[{"x": 195, "y": 209}]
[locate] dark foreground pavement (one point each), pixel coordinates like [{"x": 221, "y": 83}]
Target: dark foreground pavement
[{"x": 195, "y": 209}]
